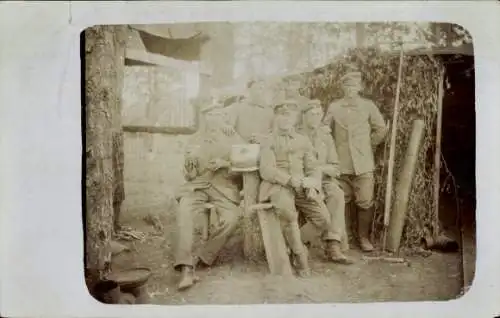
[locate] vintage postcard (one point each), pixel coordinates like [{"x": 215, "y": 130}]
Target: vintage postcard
[
  {"x": 249, "y": 158},
  {"x": 279, "y": 162}
]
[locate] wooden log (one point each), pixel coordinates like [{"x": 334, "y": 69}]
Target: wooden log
[
  {"x": 102, "y": 105},
  {"x": 253, "y": 244},
  {"x": 403, "y": 187}
]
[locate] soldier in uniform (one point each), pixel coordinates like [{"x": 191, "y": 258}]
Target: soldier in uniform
[
  {"x": 357, "y": 128},
  {"x": 291, "y": 181},
  {"x": 209, "y": 179},
  {"x": 252, "y": 117},
  {"x": 326, "y": 153}
]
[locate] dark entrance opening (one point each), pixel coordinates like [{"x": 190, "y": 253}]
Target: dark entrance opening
[
  {"x": 457, "y": 202},
  {"x": 458, "y": 144}
]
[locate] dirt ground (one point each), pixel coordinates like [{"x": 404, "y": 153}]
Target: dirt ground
[{"x": 232, "y": 281}]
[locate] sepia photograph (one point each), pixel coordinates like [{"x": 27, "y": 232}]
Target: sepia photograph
[{"x": 278, "y": 162}]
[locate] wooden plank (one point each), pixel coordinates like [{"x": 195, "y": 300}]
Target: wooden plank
[
  {"x": 160, "y": 60},
  {"x": 392, "y": 152},
  {"x": 437, "y": 154},
  {"x": 274, "y": 242},
  {"x": 159, "y": 130}
]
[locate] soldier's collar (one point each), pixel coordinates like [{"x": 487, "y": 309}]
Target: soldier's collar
[
  {"x": 289, "y": 133},
  {"x": 308, "y": 131},
  {"x": 348, "y": 101}
]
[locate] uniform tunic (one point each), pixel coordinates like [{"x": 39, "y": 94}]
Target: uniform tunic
[
  {"x": 249, "y": 118},
  {"x": 285, "y": 156},
  {"x": 357, "y": 127},
  {"x": 204, "y": 185}
]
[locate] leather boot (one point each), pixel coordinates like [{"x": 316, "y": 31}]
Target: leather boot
[
  {"x": 302, "y": 264},
  {"x": 365, "y": 217},
  {"x": 334, "y": 253},
  {"x": 187, "y": 277}
]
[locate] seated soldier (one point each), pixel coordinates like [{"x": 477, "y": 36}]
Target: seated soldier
[
  {"x": 290, "y": 179},
  {"x": 324, "y": 149},
  {"x": 208, "y": 180}
]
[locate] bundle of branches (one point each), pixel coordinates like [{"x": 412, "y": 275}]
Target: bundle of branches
[{"x": 418, "y": 100}]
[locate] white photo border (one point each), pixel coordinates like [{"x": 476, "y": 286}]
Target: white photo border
[{"x": 41, "y": 195}]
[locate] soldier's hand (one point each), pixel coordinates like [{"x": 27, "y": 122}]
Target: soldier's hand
[
  {"x": 310, "y": 183},
  {"x": 218, "y": 163},
  {"x": 190, "y": 164},
  {"x": 332, "y": 172},
  {"x": 313, "y": 194},
  {"x": 227, "y": 130},
  {"x": 255, "y": 139},
  {"x": 296, "y": 184}
]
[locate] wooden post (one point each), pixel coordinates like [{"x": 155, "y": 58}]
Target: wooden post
[
  {"x": 102, "y": 105},
  {"x": 437, "y": 154},
  {"x": 118, "y": 135},
  {"x": 403, "y": 187},
  {"x": 392, "y": 150}
]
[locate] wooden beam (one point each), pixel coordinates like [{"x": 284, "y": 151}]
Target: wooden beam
[
  {"x": 168, "y": 31},
  {"x": 437, "y": 154},
  {"x": 159, "y": 60},
  {"x": 159, "y": 130}
]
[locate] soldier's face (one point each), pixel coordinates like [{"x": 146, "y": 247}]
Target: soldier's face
[
  {"x": 257, "y": 91},
  {"x": 286, "y": 120},
  {"x": 313, "y": 117},
  {"x": 351, "y": 89}
]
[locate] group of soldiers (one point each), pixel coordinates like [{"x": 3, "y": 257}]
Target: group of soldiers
[{"x": 311, "y": 166}]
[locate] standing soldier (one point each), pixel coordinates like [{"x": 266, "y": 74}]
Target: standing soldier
[
  {"x": 326, "y": 154},
  {"x": 292, "y": 181},
  {"x": 208, "y": 180},
  {"x": 252, "y": 117},
  {"x": 357, "y": 127}
]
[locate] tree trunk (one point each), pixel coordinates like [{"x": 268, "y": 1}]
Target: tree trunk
[{"x": 104, "y": 65}]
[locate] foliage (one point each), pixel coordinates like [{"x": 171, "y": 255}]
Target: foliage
[
  {"x": 418, "y": 99},
  {"x": 265, "y": 48}
]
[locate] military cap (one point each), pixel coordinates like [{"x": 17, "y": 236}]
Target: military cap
[
  {"x": 286, "y": 105},
  {"x": 313, "y": 103},
  {"x": 352, "y": 75}
]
